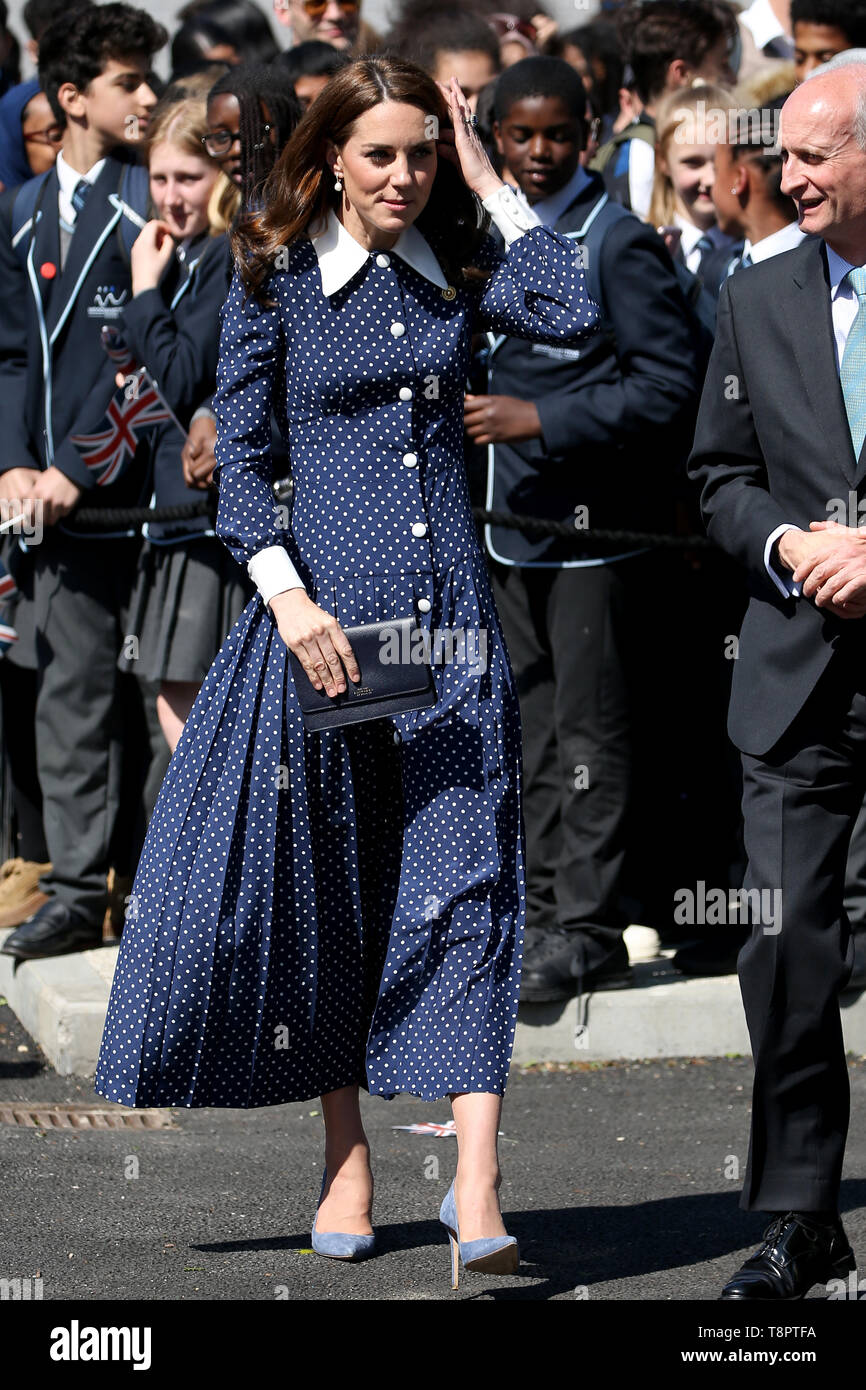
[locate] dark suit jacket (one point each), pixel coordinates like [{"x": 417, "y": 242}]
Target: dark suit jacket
[
  {"x": 174, "y": 331},
  {"x": 55, "y": 378},
  {"x": 617, "y": 414},
  {"x": 773, "y": 445}
]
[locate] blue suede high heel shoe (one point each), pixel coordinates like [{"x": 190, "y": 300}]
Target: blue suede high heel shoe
[
  {"x": 340, "y": 1245},
  {"x": 489, "y": 1255}
]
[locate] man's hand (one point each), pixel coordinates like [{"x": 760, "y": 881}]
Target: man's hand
[
  {"x": 197, "y": 453},
  {"x": 58, "y": 493},
  {"x": 497, "y": 419},
  {"x": 829, "y": 562}
]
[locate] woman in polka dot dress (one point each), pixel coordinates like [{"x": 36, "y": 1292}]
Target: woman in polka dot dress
[{"x": 314, "y": 912}]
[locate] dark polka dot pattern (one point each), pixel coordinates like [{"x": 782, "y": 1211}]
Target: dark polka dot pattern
[{"x": 315, "y": 910}]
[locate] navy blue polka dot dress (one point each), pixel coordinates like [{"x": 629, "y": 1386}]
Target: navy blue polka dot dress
[{"x": 313, "y": 910}]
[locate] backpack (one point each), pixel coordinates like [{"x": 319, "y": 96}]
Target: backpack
[
  {"x": 638, "y": 130},
  {"x": 591, "y": 235},
  {"x": 132, "y": 193}
]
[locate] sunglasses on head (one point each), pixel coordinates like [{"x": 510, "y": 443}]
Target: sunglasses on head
[{"x": 505, "y": 24}]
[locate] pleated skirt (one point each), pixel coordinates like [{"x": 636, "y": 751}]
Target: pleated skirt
[
  {"x": 316, "y": 910},
  {"x": 187, "y": 598}
]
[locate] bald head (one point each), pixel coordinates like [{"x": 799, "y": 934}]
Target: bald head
[
  {"x": 837, "y": 95},
  {"x": 823, "y": 141}
]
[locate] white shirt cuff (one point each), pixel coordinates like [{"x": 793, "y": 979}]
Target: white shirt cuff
[
  {"x": 510, "y": 216},
  {"x": 272, "y": 572},
  {"x": 203, "y": 412},
  {"x": 787, "y": 588}
]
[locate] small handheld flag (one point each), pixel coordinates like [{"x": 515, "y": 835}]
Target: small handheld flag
[{"x": 135, "y": 408}]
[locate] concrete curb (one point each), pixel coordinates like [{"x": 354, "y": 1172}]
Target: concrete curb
[{"x": 62, "y": 1004}]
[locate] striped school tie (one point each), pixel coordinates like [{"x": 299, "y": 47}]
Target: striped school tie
[
  {"x": 79, "y": 195},
  {"x": 852, "y": 373}
]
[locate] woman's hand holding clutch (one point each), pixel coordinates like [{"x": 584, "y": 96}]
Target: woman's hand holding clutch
[{"x": 316, "y": 638}]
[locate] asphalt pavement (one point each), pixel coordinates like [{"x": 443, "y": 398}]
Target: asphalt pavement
[{"x": 620, "y": 1182}]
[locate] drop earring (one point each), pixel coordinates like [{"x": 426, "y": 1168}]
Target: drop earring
[{"x": 338, "y": 187}]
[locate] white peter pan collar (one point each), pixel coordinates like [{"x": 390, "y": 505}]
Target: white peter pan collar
[{"x": 340, "y": 256}]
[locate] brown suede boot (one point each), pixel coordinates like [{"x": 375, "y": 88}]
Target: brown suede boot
[
  {"x": 20, "y": 895},
  {"x": 119, "y": 889}
]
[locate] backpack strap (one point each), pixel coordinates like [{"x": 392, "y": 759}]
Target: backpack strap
[
  {"x": 638, "y": 130},
  {"x": 132, "y": 197},
  {"x": 24, "y": 206}
]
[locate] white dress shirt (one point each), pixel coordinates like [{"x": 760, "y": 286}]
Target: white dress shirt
[
  {"x": 785, "y": 239},
  {"x": 340, "y": 257},
  {"x": 691, "y": 235},
  {"x": 549, "y": 210},
  {"x": 68, "y": 180},
  {"x": 641, "y": 173},
  {"x": 843, "y": 308},
  {"x": 765, "y": 28}
]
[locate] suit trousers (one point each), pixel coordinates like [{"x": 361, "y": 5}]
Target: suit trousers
[
  {"x": 91, "y": 734},
  {"x": 800, "y": 803},
  {"x": 574, "y": 639}
]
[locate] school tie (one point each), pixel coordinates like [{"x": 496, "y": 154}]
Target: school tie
[
  {"x": 705, "y": 246},
  {"x": 738, "y": 263},
  {"x": 852, "y": 373},
  {"x": 79, "y": 195}
]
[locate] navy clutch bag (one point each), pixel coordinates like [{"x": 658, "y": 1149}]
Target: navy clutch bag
[{"x": 391, "y": 680}]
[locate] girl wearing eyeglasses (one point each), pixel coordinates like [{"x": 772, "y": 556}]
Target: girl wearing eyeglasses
[{"x": 29, "y": 134}]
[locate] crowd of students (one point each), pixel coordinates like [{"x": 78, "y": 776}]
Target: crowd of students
[{"x": 120, "y": 195}]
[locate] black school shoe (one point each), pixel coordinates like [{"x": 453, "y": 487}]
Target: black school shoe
[
  {"x": 556, "y": 966},
  {"x": 55, "y": 930},
  {"x": 797, "y": 1252}
]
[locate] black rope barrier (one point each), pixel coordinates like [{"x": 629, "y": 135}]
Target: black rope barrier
[{"x": 109, "y": 518}]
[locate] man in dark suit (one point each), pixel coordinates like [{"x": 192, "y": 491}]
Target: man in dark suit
[
  {"x": 779, "y": 454},
  {"x": 64, "y": 272},
  {"x": 590, "y": 437}
]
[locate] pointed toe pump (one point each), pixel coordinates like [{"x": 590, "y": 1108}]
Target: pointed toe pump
[
  {"x": 489, "y": 1255},
  {"x": 340, "y": 1245}
]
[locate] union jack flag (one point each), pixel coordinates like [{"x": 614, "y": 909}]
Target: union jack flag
[
  {"x": 107, "y": 452},
  {"x": 7, "y": 584},
  {"x": 8, "y": 590},
  {"x": 135, "y": 406}
]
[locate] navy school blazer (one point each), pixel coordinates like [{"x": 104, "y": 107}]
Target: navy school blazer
[
  {"x": 55, "y": 378},
  {"x": 617, "y": 413},
  {"x": 174, "y": 331}
]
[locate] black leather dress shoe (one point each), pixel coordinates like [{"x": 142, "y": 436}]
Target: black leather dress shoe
[
  {"x": 557, "y": 966},
  {"x": 716, "y": 955},
  {"x": 55, "y": 930},
  {"x": 796, "y": 1254},
  {"x": 857, "y": 979}
]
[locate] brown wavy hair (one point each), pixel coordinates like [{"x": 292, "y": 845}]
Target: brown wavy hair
[{"x": 299, "y": 190}]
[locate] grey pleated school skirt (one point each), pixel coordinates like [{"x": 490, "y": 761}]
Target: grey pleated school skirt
[{"x": 187, "y": 598}]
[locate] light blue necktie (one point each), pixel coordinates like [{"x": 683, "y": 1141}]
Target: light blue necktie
[
  {"x": 80, "y": 195},
  {"x": 852, "y": 373}
]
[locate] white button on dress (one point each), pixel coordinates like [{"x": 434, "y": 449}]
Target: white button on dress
[
  {"x": 419, "y": 528},
  {"x": 405, "y": 393},
  {"x": 383, "y": 260},
  {"x": 424, "y": 605},
  {"x": 410, "y": 460},
  {"x": 398, "y": 329}
]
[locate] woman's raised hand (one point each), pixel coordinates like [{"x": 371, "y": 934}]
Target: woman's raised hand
[
  {"x": 463, "y": 146},
  {"x": 316, "y": 638}
]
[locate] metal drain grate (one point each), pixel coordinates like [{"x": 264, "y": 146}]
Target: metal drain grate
[{"x": 83, "y": 1117}]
